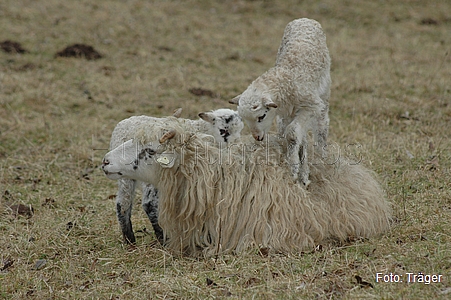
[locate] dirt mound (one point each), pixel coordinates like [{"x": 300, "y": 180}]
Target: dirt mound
[
  {"x": 80, "y": 51},
  {"x": 12, "y": 47}
]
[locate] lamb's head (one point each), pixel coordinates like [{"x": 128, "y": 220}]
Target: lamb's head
[
  {"x": 257, "y": 109},
  {"x": 142, "y": 162},
  {"x": 225, "y": 124}
]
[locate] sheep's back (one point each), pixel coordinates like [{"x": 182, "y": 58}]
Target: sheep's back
[{"x": 250, "y": 200}]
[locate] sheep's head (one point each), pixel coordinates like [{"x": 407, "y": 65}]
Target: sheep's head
[
  {"x": 142, "y": 162},
  {"x": 225, "y": 124},
  {"x": 257, "y": 109}
]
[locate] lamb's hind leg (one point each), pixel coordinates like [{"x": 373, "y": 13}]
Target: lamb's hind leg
[
  {"x": 124, "y": 204},
  {"x": 150, "y": 206}
]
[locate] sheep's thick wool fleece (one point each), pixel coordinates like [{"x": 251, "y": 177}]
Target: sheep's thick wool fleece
[{"x": 242, "y": 203}]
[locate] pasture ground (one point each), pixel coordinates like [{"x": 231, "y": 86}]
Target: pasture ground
[{"x": 390, "y": 106}]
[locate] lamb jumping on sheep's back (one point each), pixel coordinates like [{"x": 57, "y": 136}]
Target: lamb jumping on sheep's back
[{"x": 296, "y": 91}]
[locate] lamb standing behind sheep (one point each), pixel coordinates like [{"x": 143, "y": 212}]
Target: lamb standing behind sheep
[
  {"x": 224, "y": 125},
  {"x": 229, "y": 201},
  {"x": 296, "y": 91}
]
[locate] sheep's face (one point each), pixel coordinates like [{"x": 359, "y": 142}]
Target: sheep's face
[
  {"x": 225, "y": 125},
  {"x": 257, "y": 110},
  {"x": 131, "y": 160}
]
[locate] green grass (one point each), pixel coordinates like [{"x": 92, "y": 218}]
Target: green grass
[{"x": 391, "y": 95}]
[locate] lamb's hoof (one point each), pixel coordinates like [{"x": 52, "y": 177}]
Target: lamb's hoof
[
  {"x": 305, "y": 183},
  {"x": 129, "y": 238}
]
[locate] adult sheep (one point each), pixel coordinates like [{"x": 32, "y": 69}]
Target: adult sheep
[
  {"x": 224, "y": 125},
  {"x": 223, "y": 200},
  {"x": 296, "y": 91}
]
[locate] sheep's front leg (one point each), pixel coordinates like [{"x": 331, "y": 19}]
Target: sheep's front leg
[
  {"x": 124, "y": 204},
  {"x": 150, "y": 206}
]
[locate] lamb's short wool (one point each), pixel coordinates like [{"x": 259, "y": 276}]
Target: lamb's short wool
[
  {"x": 296, "y": 92},
  {"x": 216, "y": 200},
  {"x": 224, "y": 125}
]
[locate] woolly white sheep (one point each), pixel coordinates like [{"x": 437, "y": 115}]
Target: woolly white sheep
[
  {"x": 224, "y": 125},
  {"x": 296, "y": 91},
  {"x": 223, "y": 200}
]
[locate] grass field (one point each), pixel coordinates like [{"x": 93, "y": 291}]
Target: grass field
[{"x": 391, "y": 100}]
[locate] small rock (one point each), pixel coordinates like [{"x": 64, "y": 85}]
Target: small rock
[
  {"x": 6, "y": 264},
  {"x": 40, "y": 264}
]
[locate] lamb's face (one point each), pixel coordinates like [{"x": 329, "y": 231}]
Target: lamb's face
[
  {"x": 131, "y": 160},
  {"x": 257, "y": 110},
  {"x": 226, "y": 125}
]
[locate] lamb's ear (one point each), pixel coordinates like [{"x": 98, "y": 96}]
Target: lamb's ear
[
  {"x": 177, "y": 113},
  {"x": 167, "y": 136},
  {"x": 235, "y": 100},
  {"x": 206, "y": 116},
  {"x": 166, "y": 160},
  {"x": 271, "y": 104}
]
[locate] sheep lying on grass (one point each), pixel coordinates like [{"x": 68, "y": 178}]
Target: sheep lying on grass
[
  {"x": 223, "y": 200},
  {"x": 224, "y": 125},
  {"x": 296, "y": 91}
]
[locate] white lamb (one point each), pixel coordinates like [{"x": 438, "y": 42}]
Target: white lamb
[
  {"x": 224, "y": 125},
  {"x": 296, "y": 91}
]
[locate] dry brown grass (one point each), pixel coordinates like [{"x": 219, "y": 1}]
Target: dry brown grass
[{"x": 391, "y": 95}]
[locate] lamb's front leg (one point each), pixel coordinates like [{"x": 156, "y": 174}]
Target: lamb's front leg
[
  {"x": 150, "y": 205},
  {"x": 293, "y": 144},
  {"x": 305, "y": 169},
  {"x": 124, "y": 204},
  {"x": 321, "y": 132},
  {"x": 297, "y": 152}
]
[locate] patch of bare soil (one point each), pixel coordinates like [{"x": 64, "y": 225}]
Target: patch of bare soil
[{"x": 202, "y": 92}]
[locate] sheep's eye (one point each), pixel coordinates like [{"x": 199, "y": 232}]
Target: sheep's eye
[
  {"x": 259, "y": 119},
  {"x": 135, "y": 164}
]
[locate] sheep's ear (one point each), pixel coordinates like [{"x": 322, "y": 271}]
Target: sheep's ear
[
  {"x": 206, "y": 116},
  {"x": 235, "y": 100},
  {"x": 271, "y": 104},
  {"x": 177, "y": 113},
  {"x": 167, "y": 136}
]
